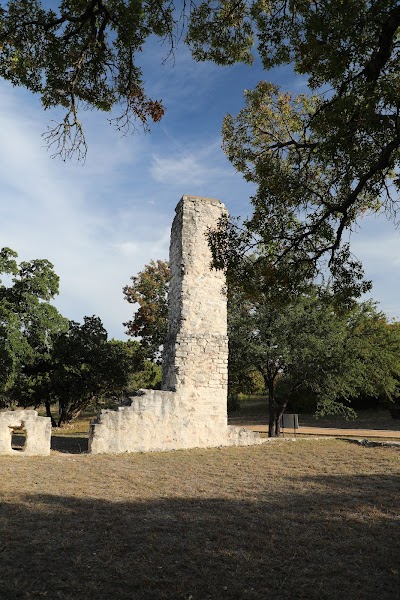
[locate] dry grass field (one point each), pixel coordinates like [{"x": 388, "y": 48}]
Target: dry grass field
[{"x": 287, "y": 520}]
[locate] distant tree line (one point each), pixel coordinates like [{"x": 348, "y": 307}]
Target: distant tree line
[{"x": 307, "y": 348}]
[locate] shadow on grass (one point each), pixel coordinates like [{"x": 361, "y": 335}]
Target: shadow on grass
[
  {"x": 66, "y": 444},
  {"x": 339, "y": 540},
  {"x": 70, "y": 444}
]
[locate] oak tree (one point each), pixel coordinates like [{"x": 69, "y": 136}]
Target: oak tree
[
  {"x": 86, "y": 366},
  {"x": 28, "y": 323},
  {"x": 149, "y": 290},
  {"x": 83, "y": 54},
  {"x": 310, "y": 346},
  {"x": 322, "y": 159}
]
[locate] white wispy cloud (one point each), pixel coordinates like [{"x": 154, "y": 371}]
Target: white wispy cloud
[
  {"x": 187, "y": 169},
  {"x": 200, "y": 165},
  {"x": 380, "y": 251},
  {"x": 73, "y": 216}
]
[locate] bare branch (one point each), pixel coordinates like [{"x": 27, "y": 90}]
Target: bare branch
[{"x": 67, "y": 139}]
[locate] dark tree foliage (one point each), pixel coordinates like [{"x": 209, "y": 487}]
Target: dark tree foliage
[
  {"x": 309, "y": 346},
  {"x": 46, "y": 359},
  {"x": 85, "y": 367},
  {"x": 28, "y": 323}
]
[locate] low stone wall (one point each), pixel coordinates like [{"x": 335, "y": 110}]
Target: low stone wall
[
  {"x": 161, "y": 421},
  {"x": 38, "y": 432}
]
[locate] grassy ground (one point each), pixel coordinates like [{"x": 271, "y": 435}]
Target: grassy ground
[
  {"x": 73, "y": 437},
  {"x": 287, "y": 520}
]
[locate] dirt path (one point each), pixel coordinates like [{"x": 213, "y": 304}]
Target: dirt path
[{"x": 334, "y": 432}]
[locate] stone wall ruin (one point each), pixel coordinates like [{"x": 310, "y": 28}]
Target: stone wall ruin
[
  {"x": 191, "y": 409},
  {"x": 37, "y": 431}
]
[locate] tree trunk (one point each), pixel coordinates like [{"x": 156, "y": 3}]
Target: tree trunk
[
  {"x": 48, "y": 413},
  {"x": 66, "y": 415},
  {"x": 274, "y": 429},
  {"x": 278, "y": 417}
]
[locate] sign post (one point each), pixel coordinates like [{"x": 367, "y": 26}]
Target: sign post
[{"x": 289, "y": 421}]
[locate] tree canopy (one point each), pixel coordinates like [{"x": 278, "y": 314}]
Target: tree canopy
[
  {"x": 320, "y": 160},
  {"x": 309, "y": 346},
  {"x": 149, "y": 289},
  {"x": 27, "y": 319},
  {"x": 80, "y": 367},
  {"x": 46, "y": 359},
  {"x": 86, "y": 366}
]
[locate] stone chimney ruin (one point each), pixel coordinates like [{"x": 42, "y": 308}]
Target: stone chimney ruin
[{"x": 191, "y": 409}]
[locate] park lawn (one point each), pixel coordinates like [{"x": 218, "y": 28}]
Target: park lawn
[
  {"x": 77, "y": 428},
  {"x": 254, "y": 411},
  {"x": 287, "y": 520}
]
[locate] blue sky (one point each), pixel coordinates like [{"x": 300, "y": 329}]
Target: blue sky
[{"x": 101, "y": 222}]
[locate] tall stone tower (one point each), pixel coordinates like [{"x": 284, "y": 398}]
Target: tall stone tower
[{"x": 196, "y": 349}]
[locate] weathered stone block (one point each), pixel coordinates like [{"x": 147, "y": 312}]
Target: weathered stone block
[{"x": 37, "y": 431}]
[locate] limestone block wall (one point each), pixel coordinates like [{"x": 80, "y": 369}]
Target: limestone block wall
[
  {"x": 160, "y": 421},
  {"x": 156, "y": 420},
  {"x": 38, "y": 432},
  {"x": 150, "y": 423}
]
